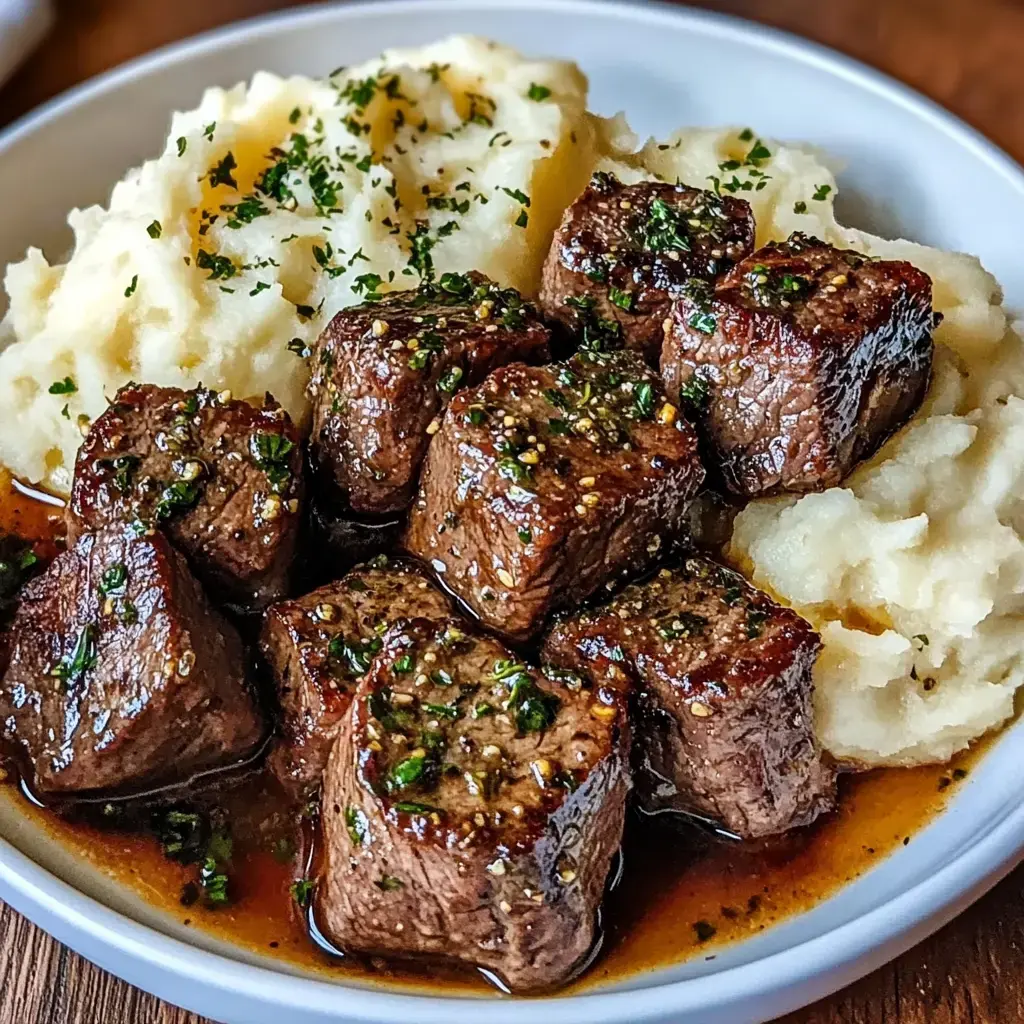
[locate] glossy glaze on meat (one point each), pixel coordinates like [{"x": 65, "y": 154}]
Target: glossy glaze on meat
[
  {"x": 320, "y": 645},
  {"x": 624, "y": 252},
  {"x": 545, "y": 484},
  {"x": 122, "y": 676},
  {"x": 472, "y": 808},
  {"x": 726, "y": 725},
  {"x": 383, "y": 371},
  {"x": 221, "y": 477},
  {"x": 800, "y": 362}
]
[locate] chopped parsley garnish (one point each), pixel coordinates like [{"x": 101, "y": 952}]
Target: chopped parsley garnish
[
  {"x": 643, "y": 400},
  {"x": 755, "y": 621},
  {"x": 124, "y": 466},
  {"x": 220, "y": 173},
  {"x": 746, "y": 135},
  {"x": 302, "y": 891},
  {"x": 270, "y": 453},
  {"x": 625, "y": 300},
  {"x": 358, "y": 826},
  {"x": 244, "y": 212},
  {"x": 209, "y": 130},
  {"x": 514, "y": 193},
  {"x": 388, "y": 883},
  {"x": 272, "y": 184},
  {"x": 524, "y": 535},
  {"x": 534, "y": 709},
  {"x": 403, "y": 665},
  {"x": 663, "y": 230},
  {"x": 449, "y": 380},
  {"x": 294, "y": 116},
  {"x": 177, "y": 497},
  {"x": 67, "y": 386},
  {"x": 114, "y": 578},
  {"x": 82, "y": 658},
  {"x": 538, "y": 93},
  {"x": 220, "y": 267},
  {"x": 703, "y": 322},
  {"x": 182, "y": 145},
  {"x": 758, "y": 154},
  {"x": 406, "y": 773},
  {"x": 130, "y": 290},
  {"x": 368, "y": 285},
  {"x": 799, "y": 206},
  {"x": 523, "y": 219},
  {"x": 681, "y": 625},
  {"x": 154, "y": 230},
  {"x": 821, "y": 192},
  {"x": 696, "y": 391},
  {"x": 449, "y": 711}
]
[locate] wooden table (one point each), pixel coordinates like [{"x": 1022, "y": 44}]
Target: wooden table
[{"x": 967, "y": 54}]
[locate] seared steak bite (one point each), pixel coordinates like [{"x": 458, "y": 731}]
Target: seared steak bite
[
  {"x": 546, "y": 483},
  {"x": 384, "y": 370},
  {"x": 221, "y": 477},
  {"x": 472, "y": 808},
  {"x": 121, "y": 675},
  {"x": 320, "y": 645},
  {"x": 624, "y": 252},
  {"x": 800, "y": 362},
  {"x": 725, "y": 726}
]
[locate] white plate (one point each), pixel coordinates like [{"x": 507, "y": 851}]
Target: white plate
[{"x": 912, "y": 169}]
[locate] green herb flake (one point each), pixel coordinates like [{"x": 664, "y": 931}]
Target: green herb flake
[
  {"x": 302, "y": 891},
  {"x": 538, "y": 93},
  {"x": 130, "y": 290},
  {"x": 221, "y": 173},
  {"x": 403, "y": 666},
  {"x": 182, "y": 145},
  {"x": 703, "y": 322},
  {"x": 113, "y": 578},
  {"x": 821, "y": 192},
  {"x": 389, "y": 883},
  {"x": 643, "y": 400},
  {"x": 67, "y": 386},
  {"x": 625, "y": 300},
  {"x": 154, "y": 230},
  {"x": 799, "y": 206}
]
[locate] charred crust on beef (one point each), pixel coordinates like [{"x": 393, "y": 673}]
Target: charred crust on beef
[
  {"x": 474, "y": 805},
  {"x": 221, "y": 477},
  {"x": 121, "y": 674},
  {"x": 623, "y": 252},
  {"x": 800, "y": 362},
  {"x": 546, "y": 483},
  {"x": 320, "y": 645},
  {"x": 725, "y": 722},
  {"x": 382, "y": 373}
]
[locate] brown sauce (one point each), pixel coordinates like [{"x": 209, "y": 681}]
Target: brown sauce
[{"x": 681, "y": 895}]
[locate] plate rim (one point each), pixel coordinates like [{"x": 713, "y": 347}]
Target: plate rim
[{"x": 887, "y": 930}]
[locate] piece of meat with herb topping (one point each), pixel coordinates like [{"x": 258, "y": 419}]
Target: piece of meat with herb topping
[
  {"x": 800, "y": 362},
  {"x": 472, "y": 808},
  {"x": 725, "y": 724},
  {"x": 318, "y": 647},
  {"x": 221, "y": 477},
  {"x": 122, "y": 677},
  {"x": 546, "y": 483},
  {"x": 624, "y": 252},
  {"x": 384, "y": 371}
]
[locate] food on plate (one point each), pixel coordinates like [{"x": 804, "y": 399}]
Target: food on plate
[
  {"x": 473, "y": 807},
  {"x": 725, "y": 723},
  {"x": 382, "y": 372},
  {"x": 320, "y": 645},
  {"x": 623, "y": 252},
  {"x": 546, "y": 483},
  {"x": 460, "y": 285},
  {"x": 122, "y": 676},
  {"x": 222, "y": 477},
  {"x": 800, "y": 361}
]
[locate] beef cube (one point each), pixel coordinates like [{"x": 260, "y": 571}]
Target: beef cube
[
  {"x": 624, "y": 252},
  {"x": 472, "y": 808},
  {"x": 222, "y": 477},
  {"x": 726, "y": 726},
  {"x": 800, "y": 362},
  {"x": 383, "y": 371},
  {"x": 122, "y": 677},
  {"x": 320, "y": 645},
  {"x": 546, "y": 483}
]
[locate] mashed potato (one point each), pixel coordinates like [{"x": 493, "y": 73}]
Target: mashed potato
[
  {"x": 277, "y": 204},
  {"x": 272, "y": 207}
]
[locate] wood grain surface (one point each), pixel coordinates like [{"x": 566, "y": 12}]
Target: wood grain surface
[{"x": 968, "y": 55}]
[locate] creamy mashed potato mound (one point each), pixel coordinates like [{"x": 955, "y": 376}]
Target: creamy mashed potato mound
[{"x": 276, "y": 204}]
